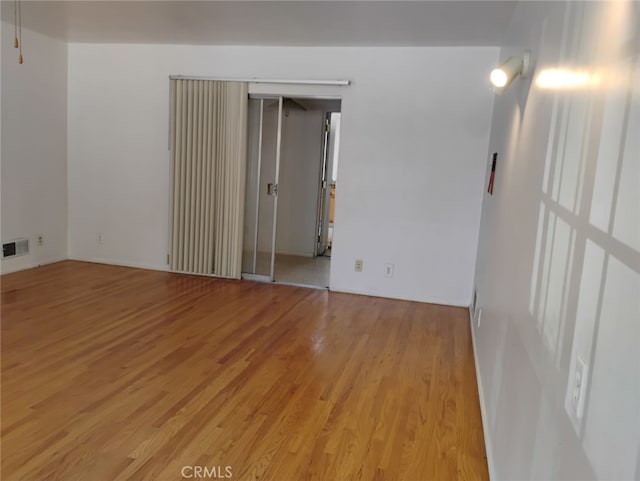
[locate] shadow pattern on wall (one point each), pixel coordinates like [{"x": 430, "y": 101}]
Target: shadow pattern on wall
[{"x": 585, "y": 281}]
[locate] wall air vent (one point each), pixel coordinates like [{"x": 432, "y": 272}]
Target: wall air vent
[{"x": 17, "y": 247}]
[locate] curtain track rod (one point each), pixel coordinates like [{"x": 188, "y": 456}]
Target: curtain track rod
[{"x": 266, "y": 81}]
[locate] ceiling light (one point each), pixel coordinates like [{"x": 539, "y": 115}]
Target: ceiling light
[{"x": 502, "y": 76}]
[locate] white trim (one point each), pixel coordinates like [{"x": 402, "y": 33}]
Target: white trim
[
  {"x": 149, "y": 267},
  {"x": 298, "y": 284},
  {"x": 483, "y": 408},
  {"x": 276, "y": 181},
  {"x": 30, "y": 265},
  {"x": 112, "y": 262},
  {"x": 314, "y": 92},
  {"x": 256, "y": 277},
  {"x": 428, "y": 300},
  {"x": 264, "y": 81},
  {"x": 258, "y": 171},
  {"x": 267, "y": 280},
  {"x": 211, "y": 276}
]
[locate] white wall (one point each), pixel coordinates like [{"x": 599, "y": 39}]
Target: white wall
[
  {"x": 34, "y": 152},
  {"x": 299, "y": 182},
  {"x": 415, "y": 129},
  {"x": 558, "y": 268}
]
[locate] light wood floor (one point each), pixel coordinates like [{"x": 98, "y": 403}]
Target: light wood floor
[{"x": 110, "y": 373}]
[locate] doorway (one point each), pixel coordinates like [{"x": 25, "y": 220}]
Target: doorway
[
  {"x": 291, "y": 155},
  {"x": 329, "y": 179}
]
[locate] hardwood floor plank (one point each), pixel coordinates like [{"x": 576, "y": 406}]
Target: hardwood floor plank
[{"x": 111, "y": 373}]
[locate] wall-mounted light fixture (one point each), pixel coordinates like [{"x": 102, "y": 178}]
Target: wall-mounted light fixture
[{"x": 502, "y": 76}]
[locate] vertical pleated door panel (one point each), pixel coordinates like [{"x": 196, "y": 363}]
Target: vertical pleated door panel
[{"x": 208, "y": 153}]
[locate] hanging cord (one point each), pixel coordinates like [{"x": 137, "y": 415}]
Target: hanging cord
[
  {"x": 15, "y": 24},
  {"x": 20, "y": 60}
]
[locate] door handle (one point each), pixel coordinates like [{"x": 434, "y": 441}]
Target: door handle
[{"x": 272, "y": 189}]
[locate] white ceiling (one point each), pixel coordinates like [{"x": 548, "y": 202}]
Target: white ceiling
[{"x": 321, "y": 23}]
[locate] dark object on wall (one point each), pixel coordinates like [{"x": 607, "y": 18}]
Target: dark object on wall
[{"x": 493, "y": 173}]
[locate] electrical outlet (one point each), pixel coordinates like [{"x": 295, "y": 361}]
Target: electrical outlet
[
  {"x": 388, "y": 270},
  {"x": 579, "y": 388},
  {"x": 40, "y": 240},
  {"x": 100, "y": 238},
  {"x": 358, "y": 265}
]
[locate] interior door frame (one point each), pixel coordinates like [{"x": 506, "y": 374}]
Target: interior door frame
[
  {"x": 271, "y": 275},
  {"x": 273, "y": 91},
  {"x": 322, "y": 221},
  {"x": 276, "y": 181}
]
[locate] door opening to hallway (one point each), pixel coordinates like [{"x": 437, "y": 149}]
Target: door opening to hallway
[{"x": 292, "y": 154}]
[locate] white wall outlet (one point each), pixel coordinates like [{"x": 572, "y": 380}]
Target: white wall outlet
[
  {"x": 100, "y": 238},
  {"x": 478, "y": 317},
  {"x": 388, "y": 270},
  {"x": 358, "y": 265},
  {"x": 40, "y": 240},
  {"x": 579, "y": 388}
]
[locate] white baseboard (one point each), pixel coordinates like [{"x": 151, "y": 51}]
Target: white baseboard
[
  {"x": 32, "y": 265},
  {"x": 137, "y": 265},
  {"x": 115, "y": 262},
  {"x": 428, "y": 300},
  {"x": 483, "y": 408}
]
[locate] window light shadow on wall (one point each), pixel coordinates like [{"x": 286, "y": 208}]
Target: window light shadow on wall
[{"x": 585, "y": 280}]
